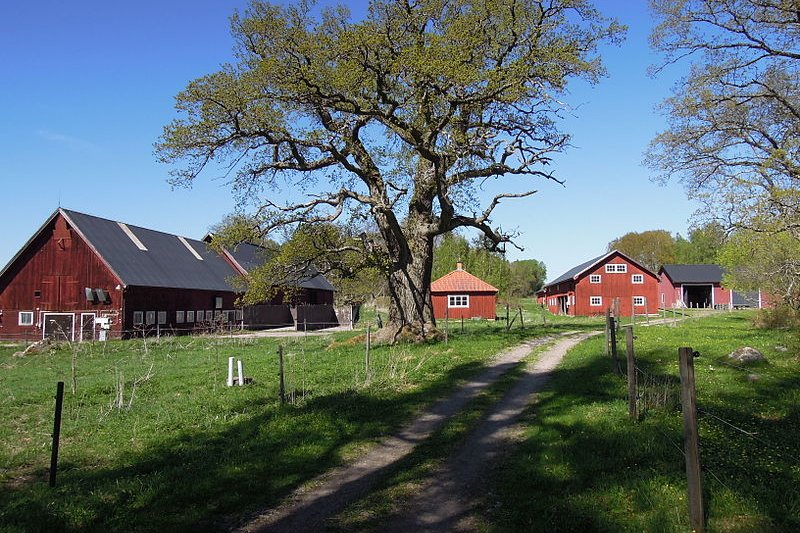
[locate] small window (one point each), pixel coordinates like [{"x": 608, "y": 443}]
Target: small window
[
  {"x": 239, "y": 315},
  {"x": 595, "y": 301},
  {"x": 595, "y": 278},
  {"x": 37, "y": 294},
  {"x": 612, "y": 268},
  {"x": 218, "y": 302},
  {"x": 138, "y": 318},
  {"x": 217, "y": 315},
  {"x": 150, "y": 318},
  {"x": 190, "y": 316},
  {"x": 638, "y": 301},
  {"x": 637, "y": 279},
  {"x": 209, "y": 315},
  {"x": 26, "y": 318},
  {"x": 179, "y": 317},
  {"x": 162, "y": 317},
  {"x": 200, "y": 316},
  {"x": 458, "y": 300}
]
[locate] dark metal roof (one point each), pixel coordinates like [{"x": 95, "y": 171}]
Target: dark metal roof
[
  {"x": 571, "y": 273},
  {"x": 167, "y": 261},
  {"x": 693, "y": 273}
]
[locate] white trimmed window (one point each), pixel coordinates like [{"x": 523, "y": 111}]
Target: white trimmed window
[
  {"x": 189, "y": 316},
  {"x": 637, "y": 279},
  {"x": 458, "y": 300},
  {"x": 619, "y": 268},
  {"x": 200, "y": 316},
  {"x": 150, "y": 318},
  {"x": 179, "y": 317},
  {"x": 595, "y": 278},
  {"x": 595, "y": 301},
  {"x": 26, "y": 318},
  {"x": 638, "y": 301},
  {"x": 162, "y": 317},
  {"x": 138, "y": 318}
]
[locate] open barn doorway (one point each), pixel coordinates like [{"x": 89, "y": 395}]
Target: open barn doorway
[{"x": 698, "y": 296}]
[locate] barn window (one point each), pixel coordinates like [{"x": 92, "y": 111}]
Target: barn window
[
  {"x": 189, "y": 316},
  {"x": 595, "y": 278},
  {"x": 239, "y": 315},
  {"x": 162, "y": 317},
  {"x": 37, "y": 294},
  {"x": 200, "y": 316},
  {"x": 138, "y": 318},
  {"x": 611, "y": 268},
  {"x": 458, "y": 300},
  {"x": 637, "y": 279},
  {"x": 638, "y": 301},
  {"x": 218, "y": 302},
  {"x": 150, "y": 318},
  {"x": 179, "y": 317},
  {"x": 26, "y": 318},
  {"x": 595, "y": 301}
]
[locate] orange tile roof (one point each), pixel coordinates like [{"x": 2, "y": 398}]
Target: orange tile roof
[{"x": 461, "y": 281}]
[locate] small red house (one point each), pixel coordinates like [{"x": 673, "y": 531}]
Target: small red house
[
  {"x": 592, "y": 287},
  {"x": 81, "y": 277},
  {"x": 459, "y": 294},
  {"x": 701, "y": 286}
]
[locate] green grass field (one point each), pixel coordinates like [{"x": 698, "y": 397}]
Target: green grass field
[
  {"x": 585, "y": 466},
  {"x": 152, "y": 439}
]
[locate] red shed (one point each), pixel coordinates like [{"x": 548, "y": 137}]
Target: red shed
[
  {"x": 82, "y": 277},
  {"x": 459, "y": 294},
  {"x": 701, "y": 286},
  {"x": 592, "y": 287}
]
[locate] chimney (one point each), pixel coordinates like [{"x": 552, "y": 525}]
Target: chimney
[{"x": 459, "y": 266}]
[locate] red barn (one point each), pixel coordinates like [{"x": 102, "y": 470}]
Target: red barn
[
  {"x": 592, "y": 287},
  {"x": 82, "y": 277},
  {"x": 701, "y": 286},
  {"x": 459, "y": 294}
]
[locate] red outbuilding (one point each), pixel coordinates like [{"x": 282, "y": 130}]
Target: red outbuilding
[
  {"x": 459, "y": 294},
  {"x": 81, "y": 277},
  {"x": 592, "y": 287},
  {"x": 700, "y": 286}
]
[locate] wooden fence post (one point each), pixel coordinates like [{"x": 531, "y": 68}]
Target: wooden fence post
[
  {"x": 521, "y": 320},
  {"x": 608, "y": 332},
  {"x": 633, "y": 412},
  {"x": 507, "y": 317},
  {"x": 56, "y": 432},
  {"x": 282, "y": 390},
  {"x": 446, "y": 324},
  {"x": 691, "y": 440},
  {"x": 366, "y": 351},
  {"x": 613, "y": 328}
]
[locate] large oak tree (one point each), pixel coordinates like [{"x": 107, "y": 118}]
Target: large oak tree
[{"x": 398, "y": 119}]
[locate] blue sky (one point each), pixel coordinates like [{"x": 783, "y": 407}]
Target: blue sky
[{"x": 88, "y": 85}]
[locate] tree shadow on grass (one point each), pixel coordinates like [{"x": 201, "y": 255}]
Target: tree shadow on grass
[
  {"x": 208, "y": 479},
  {"x": 585, "y": 466}
]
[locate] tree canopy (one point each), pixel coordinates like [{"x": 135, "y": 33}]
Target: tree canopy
[
  {"x": 388, "y": 123},
  {"x": 734, "y": 123},
  {"x": 735, "y": 120},
  {"x": 651, "y": 248}
]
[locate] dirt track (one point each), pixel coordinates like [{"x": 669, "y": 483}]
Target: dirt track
[{"x": 446, "y": 502}]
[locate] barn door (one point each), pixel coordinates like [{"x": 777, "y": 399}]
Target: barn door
[
  {"x": 87, "y": 326},
  {"x": 59, "y": 326}
]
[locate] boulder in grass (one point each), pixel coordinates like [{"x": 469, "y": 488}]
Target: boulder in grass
[{"x": 746, "y": 355}]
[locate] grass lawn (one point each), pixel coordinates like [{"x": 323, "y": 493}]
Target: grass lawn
[
  {"x": 152, "y": 439},
  {"x": 583, "y": 465}
]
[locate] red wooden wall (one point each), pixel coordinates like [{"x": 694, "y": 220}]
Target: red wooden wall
[
  {"x": 59, "y": 265},
  {"x": 481, "y": 305}
]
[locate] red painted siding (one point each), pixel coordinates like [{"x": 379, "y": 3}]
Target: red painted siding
[
  {"x": 51, "y": 275},
  {"x": 481, "y": 305}
]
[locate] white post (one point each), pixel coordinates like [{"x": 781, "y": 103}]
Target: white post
[
  {"x": 230, "y": 372},
  {"x": 241, "y": 372}
]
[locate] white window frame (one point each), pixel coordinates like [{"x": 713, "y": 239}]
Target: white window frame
[
  {"x": 150, "y": 318},
  {"x": 179, "y": 317},
  {"x": 595, "y": 278},
  {"x": 190, "y": 317},
  {"x": 596, "y": 301},
  {"x": 138, "y": 318},
  {"x": 201, "y": 316},
  {"x": 639, "y": 277},
  {"x": 25, "y": 318},
  {"x": 458, "y": 301},
  {"x": 616, "y": 268},
  {"x": 162, "y": 318},
  {"x": 639, "y": 301}
]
